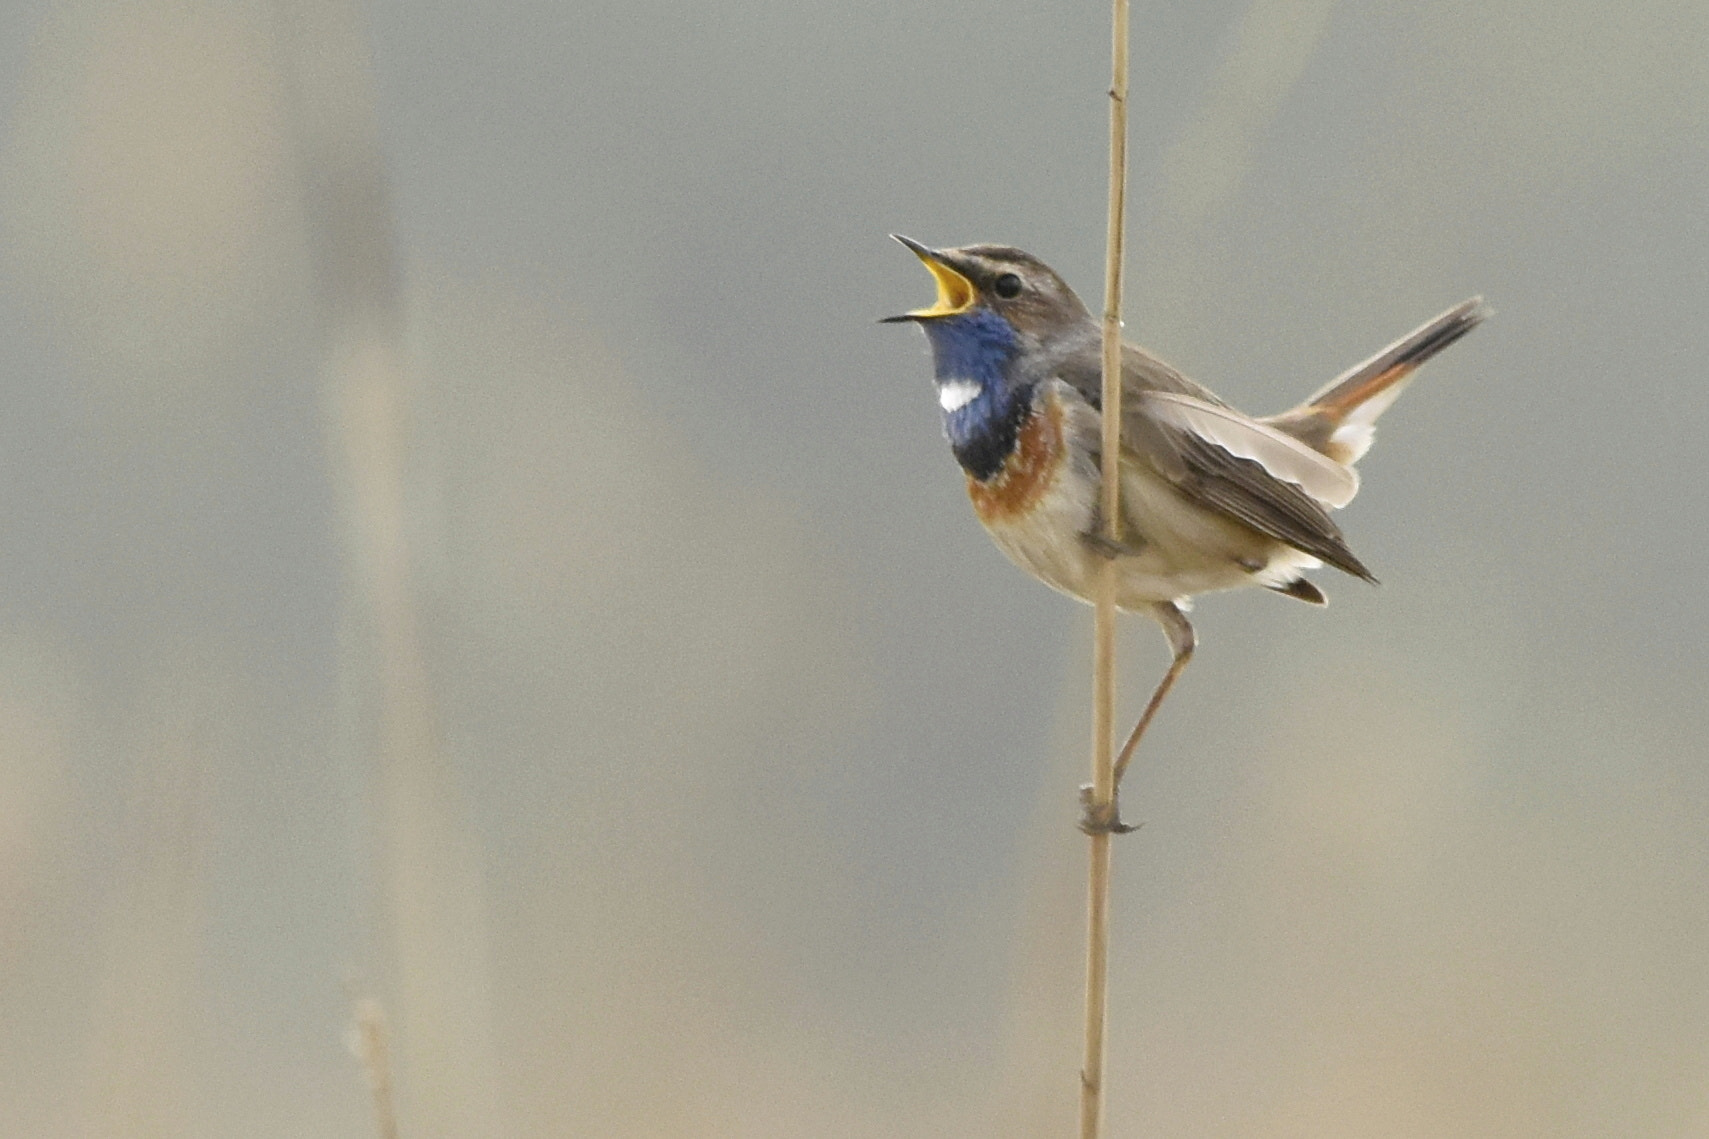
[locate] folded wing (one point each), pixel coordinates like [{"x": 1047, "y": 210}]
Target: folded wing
[{"x": 1248, "y": 471}]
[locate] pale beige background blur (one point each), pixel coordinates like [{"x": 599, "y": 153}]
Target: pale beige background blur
[{"x": 465, "y": 542}]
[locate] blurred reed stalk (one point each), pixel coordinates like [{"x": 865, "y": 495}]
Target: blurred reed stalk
[
  {"x": 373, "y": 1054},
  {"x": 430, "y": 880},
  {"x": 1102, "y": 798}
]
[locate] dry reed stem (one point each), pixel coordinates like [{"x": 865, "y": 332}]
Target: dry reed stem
[
  {"x": 369, "y": 1044},
  {"x": 1104, "y": 615},
  {"x": 428, "y": 855}
]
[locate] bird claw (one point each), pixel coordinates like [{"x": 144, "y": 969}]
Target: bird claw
[{"x": 1101, "y": 818}]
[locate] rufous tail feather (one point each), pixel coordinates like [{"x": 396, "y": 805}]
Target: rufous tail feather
[{"x": 1339, "y": 420}]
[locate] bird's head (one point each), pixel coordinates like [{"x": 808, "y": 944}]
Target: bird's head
[{"x": 995, "y": 305}]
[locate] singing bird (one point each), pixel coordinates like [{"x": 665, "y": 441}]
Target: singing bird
[{"x": 1211, "y": 498}]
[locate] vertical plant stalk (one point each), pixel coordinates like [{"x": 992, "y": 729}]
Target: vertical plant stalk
[
  {"x": 369, "y": 1044},
  {"x": 427, "y": 851},
  {"x": 1104, "y": 614}
]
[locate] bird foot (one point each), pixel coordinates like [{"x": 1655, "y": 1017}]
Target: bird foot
[{"x": 1101, "y": 818}]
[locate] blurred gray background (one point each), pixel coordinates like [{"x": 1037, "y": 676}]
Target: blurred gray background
[{"x": 465, "y": 543}]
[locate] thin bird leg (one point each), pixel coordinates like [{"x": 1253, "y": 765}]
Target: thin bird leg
[{"x": 1182, "y": 640}]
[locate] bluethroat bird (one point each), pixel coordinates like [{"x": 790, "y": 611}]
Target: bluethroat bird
[{"x": 1211, "y": 498}]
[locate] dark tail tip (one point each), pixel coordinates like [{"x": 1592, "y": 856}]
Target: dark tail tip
[{"x": 1443, "y": 331}]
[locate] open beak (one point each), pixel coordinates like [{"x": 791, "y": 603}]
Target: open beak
[{"x": 956, "y": 293}]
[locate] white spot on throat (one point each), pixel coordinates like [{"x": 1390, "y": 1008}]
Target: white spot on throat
[{"x": 953, "y": 395}]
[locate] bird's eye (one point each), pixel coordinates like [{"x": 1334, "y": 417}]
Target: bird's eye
[{"x": 1008, "y": 286}]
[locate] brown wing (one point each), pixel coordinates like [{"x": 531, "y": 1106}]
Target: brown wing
[
  {"x": 1241, "y": 488},
  {"x": 1208, "y": 472}
]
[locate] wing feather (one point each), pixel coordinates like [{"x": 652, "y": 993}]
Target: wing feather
[
  {"x": 1281, "y": 456},
  {"x": 1240, "y": 487}
]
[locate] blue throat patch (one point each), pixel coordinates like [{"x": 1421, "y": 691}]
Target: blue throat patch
[{"x": 978, "y": 347}]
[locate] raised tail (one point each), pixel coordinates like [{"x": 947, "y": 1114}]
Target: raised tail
[{"x": 1340, "y": 419}]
